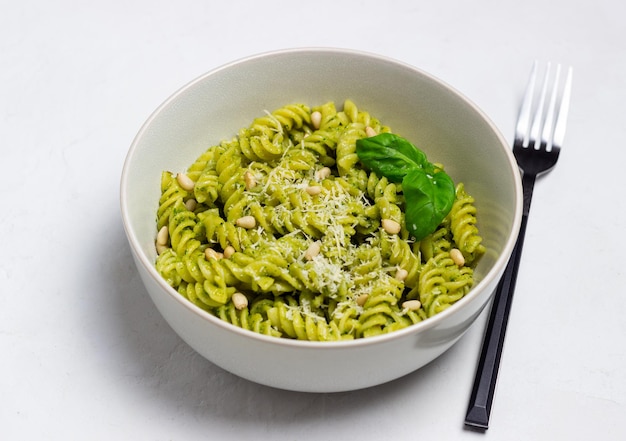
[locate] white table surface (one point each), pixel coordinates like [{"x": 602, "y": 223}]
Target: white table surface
[{"x": 85, "y": 354}]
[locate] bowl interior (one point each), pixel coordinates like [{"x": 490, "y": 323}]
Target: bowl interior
[{"x": 437, "y": 119}]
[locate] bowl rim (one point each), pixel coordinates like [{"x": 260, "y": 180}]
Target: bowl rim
[{"x": 417, "y": 328}]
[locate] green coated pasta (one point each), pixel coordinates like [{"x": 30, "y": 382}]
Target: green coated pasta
[{"x": 284, "y": 232}]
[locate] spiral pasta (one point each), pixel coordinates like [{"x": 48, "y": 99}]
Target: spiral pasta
[
  {"x": 463, "y": 225},
  {"x": 281, "y": 231}
]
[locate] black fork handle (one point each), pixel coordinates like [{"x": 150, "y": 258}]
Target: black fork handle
[{"x": 479, "y": 408}]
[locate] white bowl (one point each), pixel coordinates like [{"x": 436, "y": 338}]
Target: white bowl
[{"x": 431, "y": 114}]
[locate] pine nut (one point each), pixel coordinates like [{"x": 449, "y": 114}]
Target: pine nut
[
  {"x": 160, "y": 248},
  {"x": 370, "y": 132},
  {"x": 247, "y": 222},
  {"x": 314, "y": 250},
  {"x": 249, "y": 180},
  {"x": 401, "y": 274},
  {"x": 457, "y": 257},
  {"x": 322, "y": 173},
  {"x": 185, "y": 182},
  {"x": 314, "y": 190},
  {"x": 228, "y": 252},
  {"x": 316, "y": 119},
  {"x": 360, "y": 300},
  {"x": 162, "y": 235},
  {"x": 391, "y": 226},
  {"x": 210, "y": 253},
  {"x": 240, "y": 301},
  {"x": 191, "y": 204},
  {"x": 412, "y": 305}
]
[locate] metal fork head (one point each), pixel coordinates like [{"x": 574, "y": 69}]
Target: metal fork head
[{"x": 543, "y": 117}]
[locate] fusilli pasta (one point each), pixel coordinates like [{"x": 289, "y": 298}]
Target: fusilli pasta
[{"x": 286, "y": 215}]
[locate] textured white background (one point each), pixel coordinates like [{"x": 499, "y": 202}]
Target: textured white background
[{"x": 84, "y": 353}]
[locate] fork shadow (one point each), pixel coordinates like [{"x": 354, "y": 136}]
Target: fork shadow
[{"x": 161, "y": 366}]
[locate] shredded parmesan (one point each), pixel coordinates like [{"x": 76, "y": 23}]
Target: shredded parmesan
[{"x": 331, "y": 270}]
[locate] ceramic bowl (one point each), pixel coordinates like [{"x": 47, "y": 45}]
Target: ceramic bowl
[{"x": 434, "y": 116}]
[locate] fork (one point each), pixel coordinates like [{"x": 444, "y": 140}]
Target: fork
[{"x": 536, "y": 148}]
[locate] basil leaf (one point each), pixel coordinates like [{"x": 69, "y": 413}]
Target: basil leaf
[
  {"x": 390, "y": 155},
  {"x": 429, "y": 198},
  {"x": 428, "y": 192}
]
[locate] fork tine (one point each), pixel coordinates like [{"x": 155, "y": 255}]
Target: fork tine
[
  {"x": 523, "y": 120},
  {"x": 548, "y": 125},
  {"x": 538, "y": 120},
  {"x": 561, "y": 122}
]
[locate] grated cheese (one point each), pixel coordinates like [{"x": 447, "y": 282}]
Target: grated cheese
[{"x": 330, "y": 271}]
